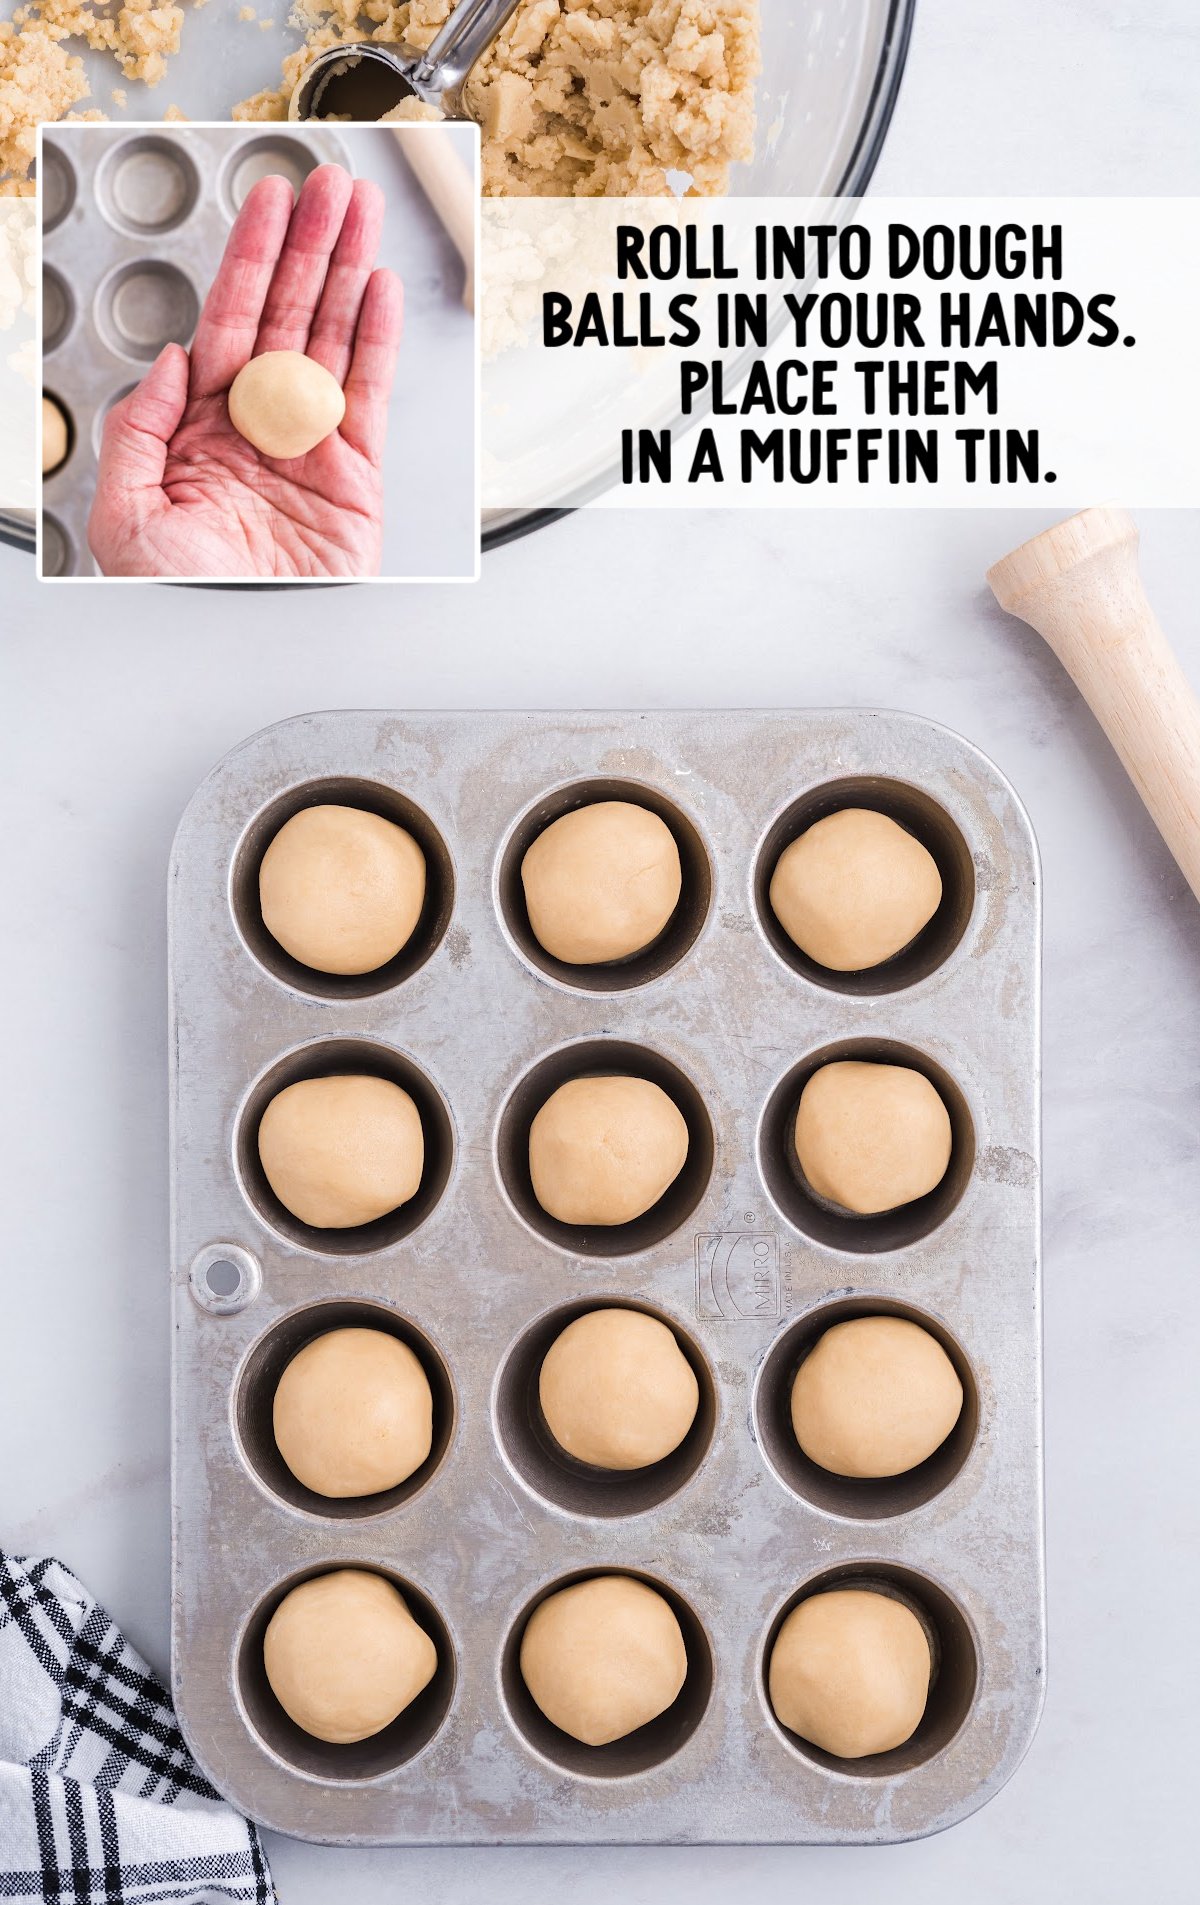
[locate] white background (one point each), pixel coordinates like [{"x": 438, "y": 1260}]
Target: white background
[{"x": 114, "y": 705}]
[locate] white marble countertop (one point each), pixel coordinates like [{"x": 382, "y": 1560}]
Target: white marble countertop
[{"x": 111, "y": 716}]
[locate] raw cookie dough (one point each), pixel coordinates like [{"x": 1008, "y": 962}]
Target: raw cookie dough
[
  {"x": 854, "y": 889},
  {"x": 871, "y": 1137},
  {"x": 40, "y": 80},
  {"x": 581, "y": 101},
  {"x": 601, "y": 882},
  {"x": 616, "y": 1389},
  {"x": 56, "y": 438},
  {"x": 341, "y": 890},
  {"x": 850, "y": 1671},
  {"x": 353, "y": 1413},
  {"x": 344, "y": 1656},
  {"x": 603, "y": 1657},
  {"x": 875, "y": 1396},
  {"x": 285, "y": 403},
  {"x": 342, "y": 1151},
  {"x": 604, "y": 1150}
]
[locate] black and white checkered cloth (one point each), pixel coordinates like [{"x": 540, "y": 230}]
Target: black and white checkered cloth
[{"x": 100, "y": 1800}]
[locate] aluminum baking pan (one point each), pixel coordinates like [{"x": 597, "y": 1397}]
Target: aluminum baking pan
[{"x": 740, "y": 1261}]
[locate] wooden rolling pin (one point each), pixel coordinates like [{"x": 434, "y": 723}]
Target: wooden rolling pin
[
  {"x": 448, "y": 185},
  {"x": 1079, "y": 586}
]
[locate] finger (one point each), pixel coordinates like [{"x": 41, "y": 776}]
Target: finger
[
  {"x": 300, "y": 273},
  {"x": 232, "y": 311},
  {"x": 137, "y": 431},
  {"x": 331, "y": 339},
  {"x": 373, "y": 365},
  {"x": 133, "y": 454}
]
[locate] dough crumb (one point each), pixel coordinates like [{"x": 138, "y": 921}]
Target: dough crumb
[
  {"x": 42, "y": 81},
  {"x": 39, "y": 80},
  {"x": 410, "y": 109}
]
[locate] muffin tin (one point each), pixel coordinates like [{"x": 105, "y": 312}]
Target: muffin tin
[
  {"x": 740, "y": 1261},
  {"x": 131, "y": 241}
]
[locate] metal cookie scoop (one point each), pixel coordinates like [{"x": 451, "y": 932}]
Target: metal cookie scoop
[{"x": 364, "y": 80}]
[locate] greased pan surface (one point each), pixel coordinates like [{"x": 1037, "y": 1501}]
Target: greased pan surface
[{"x": 738, "y": 1259}]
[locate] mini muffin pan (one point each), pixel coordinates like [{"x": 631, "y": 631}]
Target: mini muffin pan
[
  {"x": 738, "y": 1259},
  {"x": 134, "y": 221}
]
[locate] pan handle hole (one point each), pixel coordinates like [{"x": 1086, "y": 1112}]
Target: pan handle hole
[{"x": 224, "y": 1279}]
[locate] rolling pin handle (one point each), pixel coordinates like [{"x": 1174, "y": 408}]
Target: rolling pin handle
[{"x": 1078, "y": 584}]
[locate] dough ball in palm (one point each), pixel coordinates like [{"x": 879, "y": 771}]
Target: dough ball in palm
[
  {"x": 603, "y": 1657},
  {"x": 601, "y": 882},
  {"x": 850, "y": 1671},
  {"x": 604, "y": 1150},
  {"x": 341, "y": 890},
  {"x": 285, "y": 403},
  {"x": 342, "y": 1151},
  {"x": 353, "y": 1413},
  {"x": 617, "y": 1391},
  {"x": 854, "y": 889},
  {"x": 872, "y": 1137},
  {"x": 344, "y": 1655}
]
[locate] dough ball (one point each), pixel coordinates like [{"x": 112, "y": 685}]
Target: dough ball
[
  {"x": 603, "y": 1657},
  {"x": 353, "y": 1413},
  {"x": 854, "y": 889},
  {"x": 341, "y": 890},
  {"x": 344, "y": 1656},
  {"x": 603, "y": 1150},
  {"x": 342, "y": 1151},
  {"x": 602, "y": 882},
  {"x": 871, "y": 1137},
  {"x": 617, "y": 1391},
  {"x": 284, "y": 403},
  {"x": 850, "y": 1672},
  {"x": 56, "y": 437},
  {"x": 875, "y": 1396}
]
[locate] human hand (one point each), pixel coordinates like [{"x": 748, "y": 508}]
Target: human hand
[{"x": 179, "y": 492}]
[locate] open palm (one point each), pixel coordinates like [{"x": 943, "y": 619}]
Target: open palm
[{"x": 179, "y": 492}]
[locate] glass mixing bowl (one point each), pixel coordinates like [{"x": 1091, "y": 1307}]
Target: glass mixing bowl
[{"x": 831, "y": 72}]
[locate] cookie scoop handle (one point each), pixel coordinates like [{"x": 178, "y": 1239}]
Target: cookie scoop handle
[
  {"x": 1079, "y": 586},
  {"x": 465, "y": 38}
]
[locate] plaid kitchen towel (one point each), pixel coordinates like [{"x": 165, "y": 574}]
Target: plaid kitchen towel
[{"x": 100, "y": 1800}]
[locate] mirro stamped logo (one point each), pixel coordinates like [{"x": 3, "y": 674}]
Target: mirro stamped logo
[{"x": 737, "y": 1274}]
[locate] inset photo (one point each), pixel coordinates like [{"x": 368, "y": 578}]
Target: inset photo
[{"x": 259, "y": 352}]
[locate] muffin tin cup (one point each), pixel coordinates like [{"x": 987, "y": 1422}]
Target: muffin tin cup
[
  {"x": 914, "y": 809},
  {"x": 325, "y": 1761},
  {"x": 832, "y": 1224},
  {"x": 254, "y": 1397},
  {"x": 134, "y": 224},
  {"x": 732, "y": 1530},
  {"x": 539, "y": 1459},
  {"x": 953, "y": 1668},
  {"x": 677, "y": 937},
  {"x": 648, "y": 1747},
  {"x": 334, "y": 1058},
  {"x": 862, "y": 1497}
]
